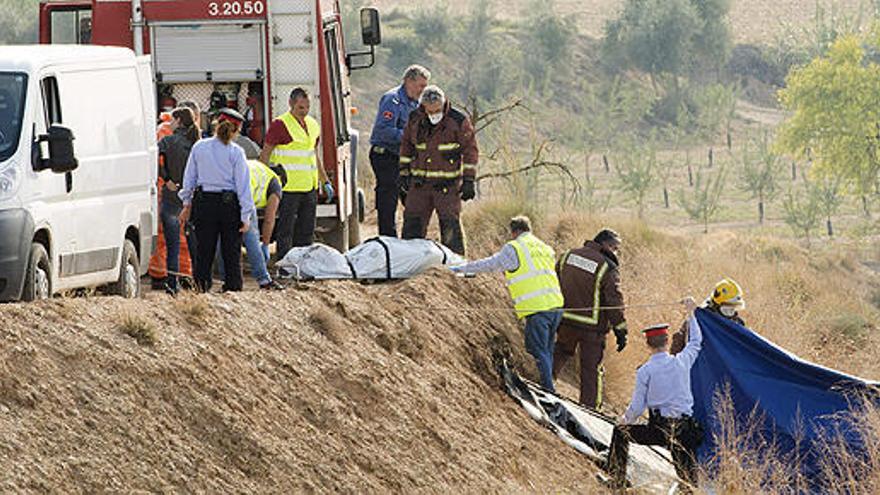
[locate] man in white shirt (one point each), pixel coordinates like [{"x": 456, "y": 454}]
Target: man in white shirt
[{"x": 663, "y": 386}]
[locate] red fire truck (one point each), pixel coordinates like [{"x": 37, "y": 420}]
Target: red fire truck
[{"x": 244, "y": 54}]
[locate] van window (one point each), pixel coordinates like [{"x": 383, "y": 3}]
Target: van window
[
  {"x": 51, "y": 101},
  {"x": 337, "y": 97},
  {"x": 71, "y": 26},
  {"x": 13, "y": 89}
]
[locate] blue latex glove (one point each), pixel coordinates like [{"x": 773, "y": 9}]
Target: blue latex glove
[
  {"x": 264, "y": 248},
  {"x": 328, "y": 190}
]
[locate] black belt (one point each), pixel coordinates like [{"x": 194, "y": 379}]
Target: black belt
[
  {"x": 225, "y": 197},
  {"x": 379, "y": 150}
]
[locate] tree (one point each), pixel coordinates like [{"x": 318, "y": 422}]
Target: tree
[
  {"x": 835, "y": 115},
  {"x": 712, "y": 39},
  {"x": 636, "y": 173},
  {"x": 801, "y": 211},
  {"x": 703, "y": 201},
  {"x": 546, "y": 43},
  {"x": 665, "y": 169},
  {"x": 828, "y": 194},
  {"x": 716, "y": 108},
  {"x": 669, "y": 38},
  {"x": 18, "y": 21},
  {"x": 480, "y": 69},
  {"x": 762, "y": 170},
  {"x": 653, "y": 36}
]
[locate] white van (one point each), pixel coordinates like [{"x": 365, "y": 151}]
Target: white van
[{"x": 77, "y": 170}]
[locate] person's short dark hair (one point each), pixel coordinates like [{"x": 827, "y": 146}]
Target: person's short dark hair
[
  {"x": 298, "y": 93},
  {"x": 658, "y": 341},
  {"x": 607, "y": 235},
  {"x": 520, "y": 223},
  {"x": 191, "y": 105}
]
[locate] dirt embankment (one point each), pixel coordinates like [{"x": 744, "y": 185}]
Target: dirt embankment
[{"x": 334, "y": 387}]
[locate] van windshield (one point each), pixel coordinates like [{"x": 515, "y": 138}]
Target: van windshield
[{"x": 12, "y": 94}]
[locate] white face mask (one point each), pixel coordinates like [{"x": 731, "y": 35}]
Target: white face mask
[
  {"x": 728, "y": 311},
  {"x": 435, "y": 118}
]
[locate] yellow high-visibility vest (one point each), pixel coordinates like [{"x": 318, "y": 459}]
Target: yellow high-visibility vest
[
  {"x": 298, "y": 156},
  {"x": 533, "y": 286},
  {"x": 261, "y": 176}
]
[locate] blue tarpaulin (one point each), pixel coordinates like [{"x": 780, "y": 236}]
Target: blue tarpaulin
[{"x": 792, "y": 398}]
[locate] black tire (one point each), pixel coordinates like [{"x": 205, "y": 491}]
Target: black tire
[
  {"x": 38, "y": 278},
  {"x": 128, "y": 285}
]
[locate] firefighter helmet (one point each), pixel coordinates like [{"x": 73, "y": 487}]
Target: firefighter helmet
[{"x": 728, "y": 293}]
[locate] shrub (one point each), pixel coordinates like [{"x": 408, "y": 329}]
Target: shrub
[
  {"x": 138, "y": 328},
  {"x": 851, "y": 325}
]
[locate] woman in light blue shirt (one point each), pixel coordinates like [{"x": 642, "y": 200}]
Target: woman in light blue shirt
[{"x": 216, "y": 193}]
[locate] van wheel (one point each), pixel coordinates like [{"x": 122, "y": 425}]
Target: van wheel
[
  {"x": 129, "y": 283},
  {"x": 38, "y": 279}
]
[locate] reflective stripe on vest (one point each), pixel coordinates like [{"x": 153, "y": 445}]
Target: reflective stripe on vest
[
  {"x": 533, "y": 286},
  {"x": 261, "y": 176},
  {"x": 436, "y": 174},
  {"x": 298, "y": 156},
  {"x": 593, "y": 319}
]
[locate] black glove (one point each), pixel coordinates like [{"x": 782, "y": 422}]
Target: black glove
[
  {"x": 468, "y": 189},
  {"x": 620, "y": 335},
  {"x": 403, "y": 187}
]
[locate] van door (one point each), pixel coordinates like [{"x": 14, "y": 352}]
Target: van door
[
  {"x": 47, "y": 193},
  {"x": 110, "y": 189}
]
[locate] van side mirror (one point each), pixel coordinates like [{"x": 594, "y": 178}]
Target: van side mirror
[
  {"x": 61, "y": 157},
  {"x": 371, "y": 32}
]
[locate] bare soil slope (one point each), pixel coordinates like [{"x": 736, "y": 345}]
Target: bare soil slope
[{"x": 333, "y": 387}]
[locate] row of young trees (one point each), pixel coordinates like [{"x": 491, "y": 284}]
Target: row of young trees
[{"x": 681, "y": 103}]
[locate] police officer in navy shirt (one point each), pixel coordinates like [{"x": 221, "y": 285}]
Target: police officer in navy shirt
[{"x": 394, "y": 109}]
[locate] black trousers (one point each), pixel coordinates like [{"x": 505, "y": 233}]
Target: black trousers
[
  {"x": 218, "y": 215},
  {"x": 386, "y": 168},
  {"x": 296, "y": 222},
  {"x": 681, "y": 436}
]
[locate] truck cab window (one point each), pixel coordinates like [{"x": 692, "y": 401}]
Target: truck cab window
[
  {"x": 337, "y": 98},
  {"x": 71, "y": 26}
]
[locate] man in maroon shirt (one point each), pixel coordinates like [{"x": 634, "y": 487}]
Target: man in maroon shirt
[{"x": 296, "y": 134}]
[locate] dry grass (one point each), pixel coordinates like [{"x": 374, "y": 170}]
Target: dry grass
[
  {"x": 139, "y": 328},
  {"x": 747, "y": 463},
  {"x": 818, "y": 304},
  {"x": 195, "y": 309}
]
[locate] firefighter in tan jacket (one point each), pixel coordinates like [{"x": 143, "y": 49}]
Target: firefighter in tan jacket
[
  {"x": 438, "y": 167},
  {"x": 590, "y": 281}
]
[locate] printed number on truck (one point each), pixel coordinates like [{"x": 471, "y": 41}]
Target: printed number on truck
[{"x": 236, "y": 8}]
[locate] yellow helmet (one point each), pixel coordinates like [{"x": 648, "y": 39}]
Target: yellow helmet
[{"x": 728, "y": 293}]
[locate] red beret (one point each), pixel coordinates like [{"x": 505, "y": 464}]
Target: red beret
[{"x": 655, "y": 330}]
